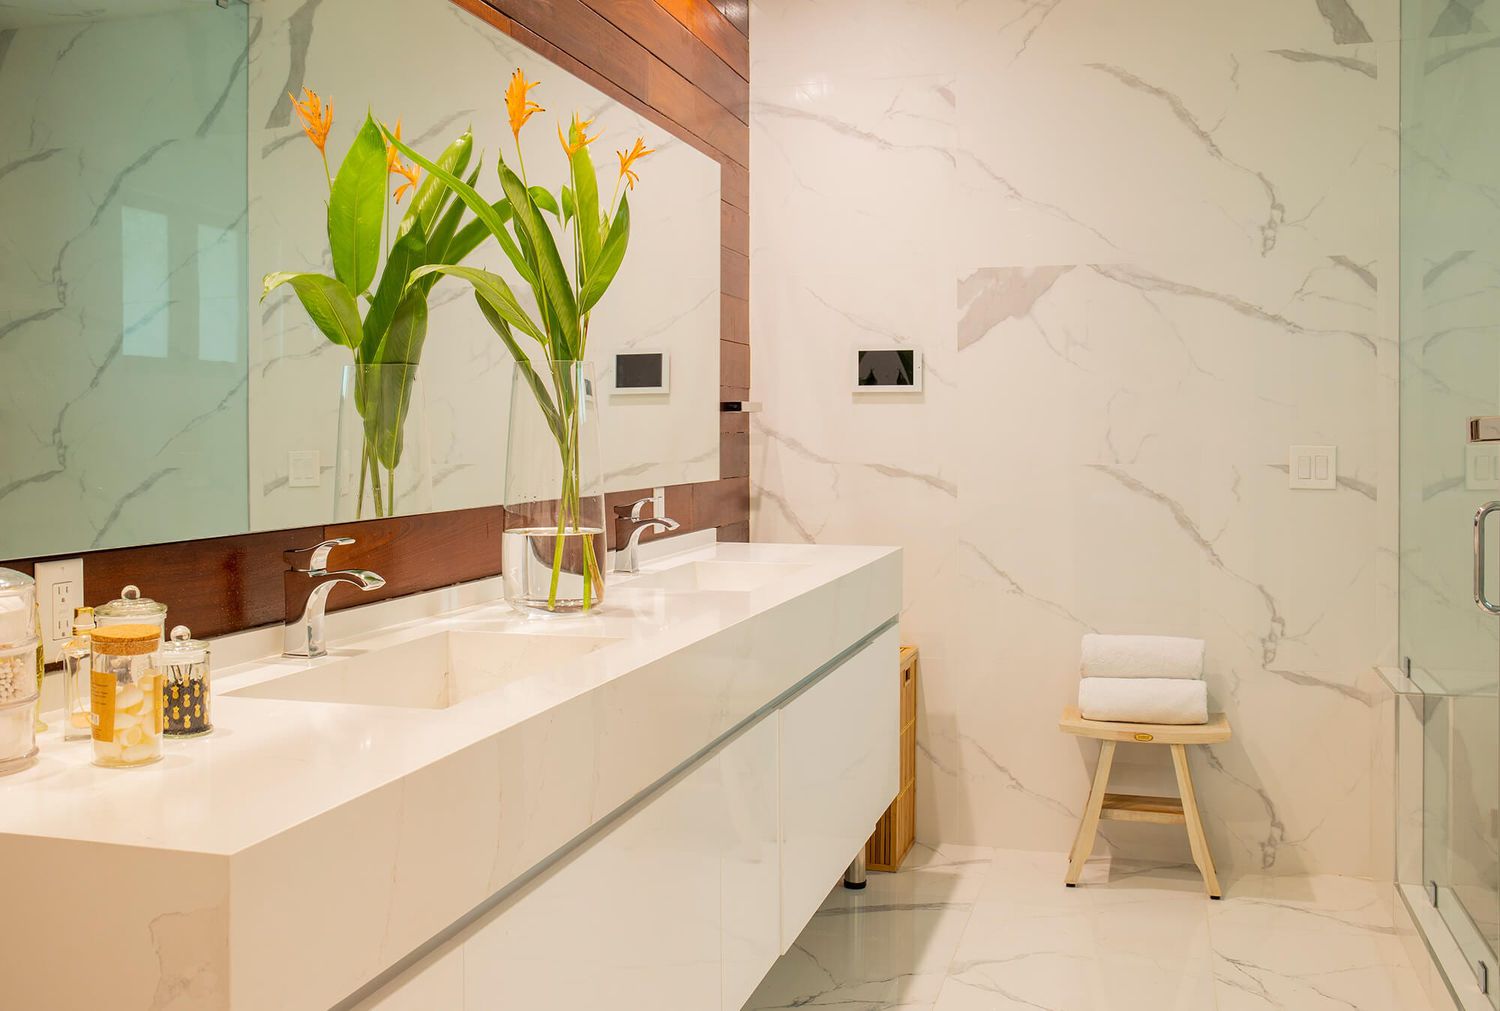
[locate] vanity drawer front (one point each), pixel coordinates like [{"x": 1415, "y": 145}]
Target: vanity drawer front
[{"x": 840, "y": 766}]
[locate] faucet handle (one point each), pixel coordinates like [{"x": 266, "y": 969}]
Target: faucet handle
[
  {"x": 314, "y": 559},
  {"x": 633, "y": 510}
]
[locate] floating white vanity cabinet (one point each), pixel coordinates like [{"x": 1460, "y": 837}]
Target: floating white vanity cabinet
[
  {"x": 638, "y": 808},
  {"x": 687, "y": 899},
  {"x": 840, "y": 760}
]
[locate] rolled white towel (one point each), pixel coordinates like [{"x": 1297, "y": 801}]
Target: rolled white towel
[
  {"x": 1141, "y": 656},
  {"x": 1143, "y": 700}
]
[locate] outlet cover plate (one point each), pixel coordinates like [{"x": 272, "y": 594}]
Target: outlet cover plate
[
  {"x": 59, "y": 589},
  {"x": 1313, "y": 467}
]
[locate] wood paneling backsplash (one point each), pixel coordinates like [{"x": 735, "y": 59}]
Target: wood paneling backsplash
[{"x": 684, "y": 64}]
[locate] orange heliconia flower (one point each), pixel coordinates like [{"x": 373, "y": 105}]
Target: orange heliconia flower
[
  {"x": 577, "y": 137},
  {"x": 411, "y": 174},
  {"x": 317, "y": 118},
  {"x": 517, "y": 105},
  {"x": 394, "y": 166},
  {"x": 627, "y": 159}
]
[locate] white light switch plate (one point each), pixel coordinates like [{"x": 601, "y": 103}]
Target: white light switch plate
[
  {"x": 59, "y": 589},
  {"x": 1481, "y": 466},
  {"x": 1315, "y": 467},
  {"x": 303, "y": 469}
]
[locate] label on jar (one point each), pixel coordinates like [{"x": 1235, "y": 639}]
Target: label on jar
[
  {"x": 157, "y": 708},
  {"x": 102, "y": 690}
]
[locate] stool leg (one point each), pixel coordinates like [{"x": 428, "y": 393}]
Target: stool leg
[
  {"x": 1083, "y": 844},
  {"x": 1196, "y": 839}
]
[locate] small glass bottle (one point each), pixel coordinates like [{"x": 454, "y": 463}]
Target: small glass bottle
[
  {"x": 183, "y": 663},
  {"x": 77, "y": 665},
  {"x": 130, "y": 608},
  {"x": 125, "y": 696}
]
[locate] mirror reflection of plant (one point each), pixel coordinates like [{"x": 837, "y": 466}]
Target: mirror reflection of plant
[
  {"x": 393, "y": 328},
  {"x": 563, "y": 303}
]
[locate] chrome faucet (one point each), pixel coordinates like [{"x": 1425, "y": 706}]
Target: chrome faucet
[
  {"x": 304, "y": 637},
  {"x": 630, "y": 523}
]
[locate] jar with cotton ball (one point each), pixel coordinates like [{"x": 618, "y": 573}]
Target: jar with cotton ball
[{"x": 125, "y": 696}]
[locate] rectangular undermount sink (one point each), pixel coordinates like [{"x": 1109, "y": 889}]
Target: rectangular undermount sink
[
  {"x": 433, "y": 672},
  {"x": 715, "y": 577}
]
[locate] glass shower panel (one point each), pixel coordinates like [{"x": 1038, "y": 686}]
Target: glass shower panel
[{"x": 1450, "y": 371}]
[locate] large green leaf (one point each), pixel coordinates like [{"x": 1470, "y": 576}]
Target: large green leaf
[
  {"x": 561, "y": 307},
  {"x": 440, "y": 235},
  {"x": 482, "y": 208},
  {"x": 611, "y": 255},
  {"x": 388, "y": 388},
  {"x": 586, "y": 207},
  {"x": 492, "y": 290},
  {"x": 432, "y": 190},
  {"x": 544, "y": 199},
  {"x": 409, "y": 253},
  {"x": 356, "y": 209},
  {"x": 329, "y": 304},
  {"x": 523, "y": 364}
]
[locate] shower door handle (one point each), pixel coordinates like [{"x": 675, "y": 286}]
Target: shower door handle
[{"x": 1479, "y": 554}]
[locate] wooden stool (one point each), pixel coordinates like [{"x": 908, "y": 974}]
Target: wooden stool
[{"x": 1130, "y": 807}]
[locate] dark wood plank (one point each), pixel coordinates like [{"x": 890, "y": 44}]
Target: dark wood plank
[
  {"x": 734, "y": 184},
  {"x": 735, "y": 532},
  {"x": 413, "y": 553},
  {"x": 594, "y": 44},
  {"x": 721, "y": 503},
  {"x": 669, "y": 40},
  {"x": 734, "y": 275},
  {"x": 734, "y": 228},
  {"x": 734, "y": 319},
  {"x": 213, "y": 586},
  {"x": 710, "y": 26},
  {"x": 736, "y": 12},
  {"x": 734, "y": 369},
  {"x": 734, "y": 444}
]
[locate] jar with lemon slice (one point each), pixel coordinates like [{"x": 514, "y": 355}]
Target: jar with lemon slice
[{"x": 125, "y": 696}]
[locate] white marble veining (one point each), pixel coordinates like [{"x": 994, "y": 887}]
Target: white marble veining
[
  {"x": 306, "y": 846},
  {"x": 974, "y": 929},
  {"x": 664, "y": 298},
  {"x": 1144, "y": 247},
  {"x": 122, "y": 350}
]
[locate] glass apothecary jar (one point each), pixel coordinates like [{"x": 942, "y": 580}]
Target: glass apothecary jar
[
  {"x": 17, "y": 608},
  {"x": 130, "y": 608},
  {"x": 125, "y": 694},
  {"x": 77, "y": 670},
  {"x": 18, "y": 699},
  {"x": 183, "y": 663}
]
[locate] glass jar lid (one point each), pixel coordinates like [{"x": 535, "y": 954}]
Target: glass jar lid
[
  {"x": 130, "y": 604},
  {"x": 182, "y": 648},
  {"x": 126, "y": 640},
  {"x": 12, "y": 582}
]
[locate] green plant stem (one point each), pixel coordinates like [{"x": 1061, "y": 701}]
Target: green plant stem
[
  {"x": 364, "y": 465},
  {"x": 375, "y": 484}
]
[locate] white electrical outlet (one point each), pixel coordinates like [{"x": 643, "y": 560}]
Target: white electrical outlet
[
  {"x": 1481, "y": 466},
  {"x": 1314, "y": 467},
  {"x": 59, "y": 589},
  {"x": 658, "y": 501},
  {"x": 304, "y": 468}
]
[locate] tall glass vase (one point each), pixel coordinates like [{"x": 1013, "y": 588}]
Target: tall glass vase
[
  {"x": 383, "y": 465},
  {"x": 553, "y": 549}
]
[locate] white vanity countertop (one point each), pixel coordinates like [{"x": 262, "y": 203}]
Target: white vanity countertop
[
  {"x": 308, "y": 846},
  {"x": 270, "y": 764}
]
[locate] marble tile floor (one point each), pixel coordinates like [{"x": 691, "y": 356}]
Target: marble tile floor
[{"x": 972, "y": 929}]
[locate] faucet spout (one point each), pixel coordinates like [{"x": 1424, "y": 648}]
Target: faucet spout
[
  {"x": 629, "y": 520},
  {"x": 305, "y": 635}
]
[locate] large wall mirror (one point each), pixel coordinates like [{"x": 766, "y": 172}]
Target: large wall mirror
[{"x": 155, "y": 172}]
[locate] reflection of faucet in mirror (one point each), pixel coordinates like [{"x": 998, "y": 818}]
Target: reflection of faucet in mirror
[
  {"x": 630, "y": 524},
  {"x": 304, "y": 635}
]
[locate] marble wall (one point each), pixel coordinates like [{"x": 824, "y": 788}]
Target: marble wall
[
  {"x": 441, "y": 70},
  {"x": 1144, "y": 246},
  {"x": 122, "y": 259}
]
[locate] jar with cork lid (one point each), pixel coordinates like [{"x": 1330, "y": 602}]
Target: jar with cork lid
[
  {"x": 130, "y": 608},
  {"x": 125, "y": 695}
]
